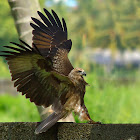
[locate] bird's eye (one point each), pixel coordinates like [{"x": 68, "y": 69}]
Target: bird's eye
[{"x": 79, "y": 71}]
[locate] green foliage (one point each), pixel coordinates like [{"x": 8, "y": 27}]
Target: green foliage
[
  {"x": 102, "y": 22},
  {"x": 4, "y": 71},
  {"x": 112, "y": 102},
  {"x": 17, "y": 109},
  {"x": 8, "y": 31}
]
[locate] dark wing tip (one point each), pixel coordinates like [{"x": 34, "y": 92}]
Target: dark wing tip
[
  {"x": 37, "y": 49},
  {"x": 50, "y": 17},
  {"x": 64, "y": 25},
  {"x": 27, "y": 45},
  {"x": 52, "y": 11},
  {"x": 12, "y": 42},
  {"x": 32, "y": 25},
  {"x": 46, "y": 12},
  {"x": 27, "y": 48},
  {"x": 34, "y": 19},
  {"x": 57, "y": 19},
  {"x": 35, "y": 27},
  {"x": 21, "y": 40},
  {"x": 38, "y": 12}
]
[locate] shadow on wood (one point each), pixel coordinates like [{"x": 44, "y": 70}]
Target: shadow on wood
[{"x": 70, "y": 131}]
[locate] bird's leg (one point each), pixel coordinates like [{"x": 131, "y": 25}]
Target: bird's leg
[{"x": 86, "y": 115}]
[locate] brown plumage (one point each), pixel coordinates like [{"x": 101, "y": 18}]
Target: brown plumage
[{"x": 44, "y": 73}]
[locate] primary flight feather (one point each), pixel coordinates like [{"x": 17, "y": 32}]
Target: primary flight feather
[{"x": 44, "y": 73}]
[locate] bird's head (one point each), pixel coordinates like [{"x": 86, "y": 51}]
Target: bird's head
[
  {"x": 77, "y": 72},
  {"x": 80, "y": 71},
  {"x": 76, "y": 75}
]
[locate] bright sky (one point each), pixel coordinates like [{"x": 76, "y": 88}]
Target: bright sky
[{"x": 70, "y": 3}]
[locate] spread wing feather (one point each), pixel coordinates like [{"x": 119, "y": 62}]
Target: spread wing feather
[
  {"x": 33, "y": 75},
  {"x": 50, "y": 37}
]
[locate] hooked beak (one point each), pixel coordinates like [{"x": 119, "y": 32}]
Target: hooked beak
[{"x": 83, "y": 73}]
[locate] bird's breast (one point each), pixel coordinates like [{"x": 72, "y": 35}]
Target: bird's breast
[{"x": 72, "y": 101}]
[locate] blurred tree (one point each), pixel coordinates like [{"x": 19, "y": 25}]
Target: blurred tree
[
  {"x": 7, "y": 33},
  {"x": 100, "y": 23},
  {"x": 108, "y": 23}
]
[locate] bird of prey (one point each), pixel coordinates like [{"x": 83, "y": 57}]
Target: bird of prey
[{"x": 44, "y": 73}]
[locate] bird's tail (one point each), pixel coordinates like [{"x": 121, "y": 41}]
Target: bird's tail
[{"x": 48, "y": 122}]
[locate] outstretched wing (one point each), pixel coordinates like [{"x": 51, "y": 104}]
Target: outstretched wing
[
  {"x": 50, "y": 38},
  {"x": 33, "y": 75}
]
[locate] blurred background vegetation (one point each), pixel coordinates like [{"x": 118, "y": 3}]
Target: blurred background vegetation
[{"x": 104, "y": 34}]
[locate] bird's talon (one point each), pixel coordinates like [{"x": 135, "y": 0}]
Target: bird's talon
[{"x": 93, "y": 122}]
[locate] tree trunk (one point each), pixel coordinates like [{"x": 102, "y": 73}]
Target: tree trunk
[{"x": 22, "y": 11}]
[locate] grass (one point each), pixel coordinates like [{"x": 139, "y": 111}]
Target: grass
[
  {"x": 17, "y": 109},
  {"x": 108, "y": 100},
  {"x": 113, "y": 102}
]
